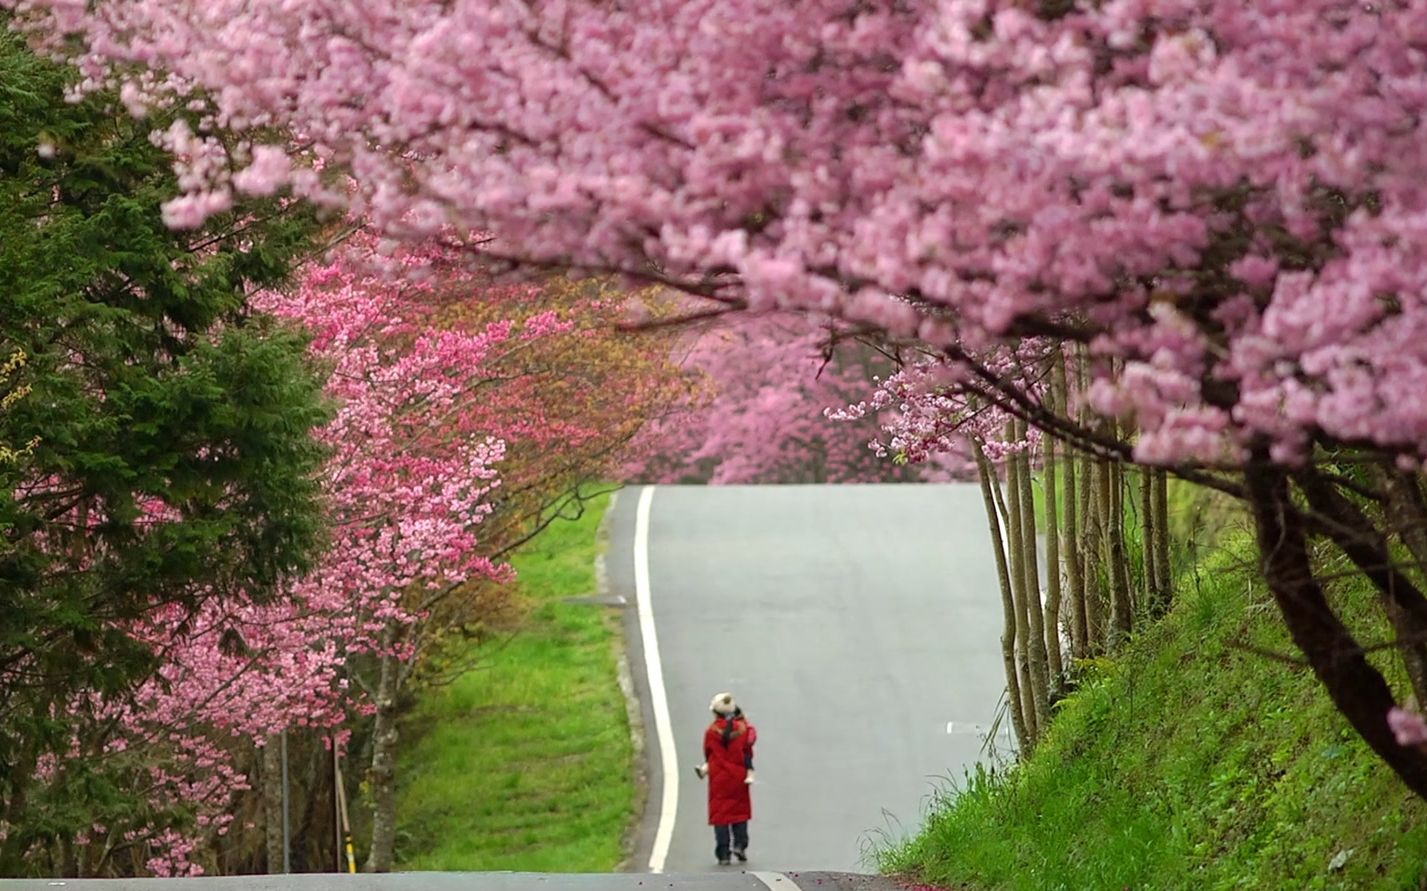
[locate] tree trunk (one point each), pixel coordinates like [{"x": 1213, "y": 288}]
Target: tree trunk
[
  {"x": 383, "y": 772},
  {"x": 68, "y": 859},
  {"x": 1404, "y": 500},
  {"x": 1052, "y": 562},
  {"x": 1039, "y": 662},
  {"x": 1090, "y": 552},
  {"x": 1091, "y": 524},
  {"x": 13, "y": 847},
  {"x": 1008, "y": 603},
  {"x": 1104, "y": 552},
  {"x": 1016, "y": 545},
  {"x": 313, "y": 804},
  {"x": 272, "y": 805},
  {"x": 1122, "y": 608},
  {"x": 1358, "y": 690},
  {"x": 1148, "y": 535},
  {"x": 1070, "y": 543},
  {"x": 1164, "y": 573},
  {"x": 1357, "y": 537}
]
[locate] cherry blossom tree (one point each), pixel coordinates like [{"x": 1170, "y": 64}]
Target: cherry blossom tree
[
  {"x": 569, "y": 400},
  {"x": 1222, "y": 202},
  {"x": 412, "y": 474},
  {"x": 443, "y": 375},
  {"x": 757, "y": 414}
]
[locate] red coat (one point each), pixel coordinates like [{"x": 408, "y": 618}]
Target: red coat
[{"x": 729, "y": 801}]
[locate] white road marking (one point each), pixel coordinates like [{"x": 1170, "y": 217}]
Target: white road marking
[
  {"x": 776, "y": 881},
  {"x": 964, "y": 727},
  {"x": 663, "y": 729}
]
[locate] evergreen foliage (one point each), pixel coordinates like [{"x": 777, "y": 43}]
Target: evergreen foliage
[{"x": 171, "y": 456}]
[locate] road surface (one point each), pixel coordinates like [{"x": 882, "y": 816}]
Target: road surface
[
  {"x": 474, "y": 881},
  {"x": 858, "y": 626}
]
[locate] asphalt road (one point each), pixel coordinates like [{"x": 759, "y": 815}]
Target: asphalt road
[
  {"x": 859, "y": 628},
  {"x": 475, "y": 881}
]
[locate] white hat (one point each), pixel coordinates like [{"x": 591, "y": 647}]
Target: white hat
[{"x": 723, "y": 704}]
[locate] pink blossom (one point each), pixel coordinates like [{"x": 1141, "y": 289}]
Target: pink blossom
[
  {"x": 1407, "y": 727},
  {"x": 974, "y": 184},
  {"x": 267, "y": 173},
  {"x": 759, "y": 415}
]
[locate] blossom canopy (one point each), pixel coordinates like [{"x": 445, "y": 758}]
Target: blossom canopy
[{"x": 1228, "y": 198}]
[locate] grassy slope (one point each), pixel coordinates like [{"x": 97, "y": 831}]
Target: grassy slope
[
  {"x": 1191, "y": 762},
  {"x": 524, "y": 763}
]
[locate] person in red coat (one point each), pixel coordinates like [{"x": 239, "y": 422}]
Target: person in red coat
[{"x": 728, "y": 765}]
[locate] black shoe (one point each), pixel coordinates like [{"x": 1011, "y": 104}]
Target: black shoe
[
  {"x": 724, "y": 861},
  {"x": 741, "y": 854}
]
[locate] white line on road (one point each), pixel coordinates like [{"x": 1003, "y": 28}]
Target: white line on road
[
  {"x": 774, "y": 881},
  {"x": 954, "y": 727},
  {"x": 669, "y": 765}
]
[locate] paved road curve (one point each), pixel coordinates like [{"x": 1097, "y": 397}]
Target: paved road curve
[{"x": 854, "y": 623}]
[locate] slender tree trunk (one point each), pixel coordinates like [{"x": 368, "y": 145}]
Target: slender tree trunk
[
  {"x": 1148, "y": 535},
  {"x": 1071, "y": 546},
  {"x": 1052, "y": 561},
  {"x": 383, "y": 772},
  {"x": 90, "y": 855},
  {"x": 1016, "y": 545},
  {"x": 1090, "y": 521},
  {"x": 1358, "y": 690},
  {"x": 68, "y": 859},
  {"x": 13, "y": 846},
  {"x": 1008, "y": 603},
  {"x": 1070, "y": 542},
  {"x": 1090, "y": 550},
  {"x": 1164, "y": 573},
  {"x": 1104, "y": 553},
  {"x": 1036, "y": 642},
  {"x": 272, "y": 805},
  {"x": 1122, "y": 608}
]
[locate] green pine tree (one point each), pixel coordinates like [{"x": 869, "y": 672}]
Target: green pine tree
[{"x": 149, "y": 381}]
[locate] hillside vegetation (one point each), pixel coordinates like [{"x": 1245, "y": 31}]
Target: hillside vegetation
[{"x": 1204, "y": 756}]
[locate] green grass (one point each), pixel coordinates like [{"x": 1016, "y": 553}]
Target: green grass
[
  {"x": 1190, "y": 762},
  {"x": 525, "y": 762}
]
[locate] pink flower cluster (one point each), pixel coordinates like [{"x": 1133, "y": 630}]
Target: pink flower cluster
[
  {"x": 757, "y": 414},
  {"x": 931, "y": 416},
  {"x": 1229, "y": 198},
  {"x": 411, "y": 473},
  {"x": 1407, "y": 727}
]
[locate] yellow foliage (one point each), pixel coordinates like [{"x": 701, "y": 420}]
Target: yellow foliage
[{"x": 17, "y": 360}]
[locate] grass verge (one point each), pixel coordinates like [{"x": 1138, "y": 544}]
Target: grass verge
[
  {"x": 525, "y": 762},
  {"x": 1192, "y": 761}
]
